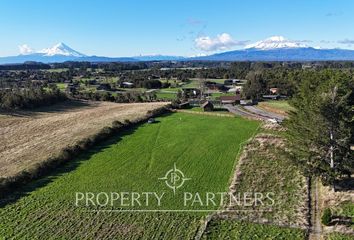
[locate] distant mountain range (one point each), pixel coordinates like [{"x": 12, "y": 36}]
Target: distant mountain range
[{"x": 276, "y": 48}]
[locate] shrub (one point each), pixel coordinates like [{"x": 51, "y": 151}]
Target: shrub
[
  {"x": 326, "y": 217},
  {"x": 127, "y": 122},
  {"x": 116, "y": 125}
]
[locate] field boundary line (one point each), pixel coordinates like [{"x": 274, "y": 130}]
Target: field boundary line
[
  {"x": 236, "y": 166},
  {"x": 172, "y": 210},
  {"x": 222, "y": 215}
]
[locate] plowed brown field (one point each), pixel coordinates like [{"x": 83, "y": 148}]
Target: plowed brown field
[{"x": 29, "y": 137}]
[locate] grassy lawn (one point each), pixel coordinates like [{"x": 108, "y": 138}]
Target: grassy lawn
[
  {"x": 225, "y": 229},
  {"x": 217, "y": 80},
  {"x": 216, "y": 110},
  {"x": 61, "y": 86},
  {"x": 215, "y": 96},
  {"x": 191, "y": 84},
  {"x": 277, "y": 106},
  {"x": 171, "y": 89},
  {"x": 131, "y": 161},
  {"x": 345, "y": 209},
  {"x": 166, "y": 95},
  {"x": 57, "y": 70},
  {"x": 339, "y": 236},
  {"x": 194, "y": 82}
]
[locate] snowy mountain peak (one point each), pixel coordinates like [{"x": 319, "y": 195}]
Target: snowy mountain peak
[
  {"x": 276, "y": 42},
  {"x": 61, "y": 49}
]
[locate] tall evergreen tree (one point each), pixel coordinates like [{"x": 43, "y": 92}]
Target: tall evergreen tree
[{"x": 320, "y": 130}]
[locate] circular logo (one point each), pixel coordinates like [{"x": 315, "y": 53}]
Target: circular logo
[{"x": 174, "y": 178}]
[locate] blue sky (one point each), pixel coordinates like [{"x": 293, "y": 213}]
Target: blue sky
[{"x": 134, "y": 27}]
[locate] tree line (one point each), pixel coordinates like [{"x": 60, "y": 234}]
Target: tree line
[
  {"x": 29, "y": 98},
  {"x": 321, "y": 129}
]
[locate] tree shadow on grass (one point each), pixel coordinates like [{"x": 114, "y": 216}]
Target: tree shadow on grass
[
  {"x": 65, "y": 168},
  {"x": 340, "y": 220}
]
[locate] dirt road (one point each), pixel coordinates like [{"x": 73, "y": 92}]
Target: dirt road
[{"x": 253, "y": 112}]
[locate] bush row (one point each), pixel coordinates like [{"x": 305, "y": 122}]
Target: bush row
[
  {"x": 70, "y": 152},
  {"x": 28, "y": 98}
]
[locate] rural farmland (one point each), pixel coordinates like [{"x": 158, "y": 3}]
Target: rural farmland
[
  {"x": 132, "y": 161},
  {"x": 30, "y": 137},
  {"x": 173, "y": 120}
]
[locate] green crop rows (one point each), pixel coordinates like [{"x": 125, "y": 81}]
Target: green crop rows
[
  {"x": 225, "y": 229},
  {"x": 203, "y": 147}
]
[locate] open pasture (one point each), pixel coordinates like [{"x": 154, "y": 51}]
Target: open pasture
[{"x": 204, "y": 148}]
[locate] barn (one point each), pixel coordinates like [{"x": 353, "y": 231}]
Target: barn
[
  {"x": 207, "y": 106},
  {"x": 230, "y": 99}
]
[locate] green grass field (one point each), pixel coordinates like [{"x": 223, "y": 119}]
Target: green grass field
[
  {"x": 61, "y": 86},
  {"x": 345, "y": 209},
  {"x": 217, "y": 80},
  {"x": 265, "y": 168},
  {"x": 281, "y": 105},
  {"x": 216, "y": 110},
  {"x": 166, "y": 95},
  {"x": 217, "y": 95},
  {"x": 225, "y": 229},
  {"x": 203, "y": 147}
]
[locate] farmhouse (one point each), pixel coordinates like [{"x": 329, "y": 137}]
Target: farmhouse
[
  {"x": 71, "y": 88},
  {"x": 231, "y": 99},
  {"x": 127, "y": 85},
  {"x": 232, "y": 81},
  {"x": 207, "y": 106},
  {"x": 216, "y": 86},
  {"x": 273, "y": 90},
  {"x": 183, "y": 105},
  {"x": 153, "y": 77},
  {"x": 191, "y": 92},
  {"x": 248, "y": 102},
  {"x": 271, "y": 97},
  {"x": 236, "y": 89}
]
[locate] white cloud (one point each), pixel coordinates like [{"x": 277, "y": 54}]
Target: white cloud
[
  {"x": 346, "y": 41},
  {"x": 25, "y": 49},
  {"x": 220, "y": 42}
]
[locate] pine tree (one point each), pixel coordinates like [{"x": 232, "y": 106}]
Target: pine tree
[{"x": 320, "y": 130}]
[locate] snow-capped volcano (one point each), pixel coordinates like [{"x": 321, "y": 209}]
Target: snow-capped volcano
[
  {"x": 61, "y": 49},
  {"x": 276, "y": 42}
]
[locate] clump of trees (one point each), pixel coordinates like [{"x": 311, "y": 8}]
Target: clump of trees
[
  {"x": 28, "y": 98},
  {"x": 259, "y": 82},
  {"x": 321, "y": 128},
  {"x": 126, "y": 97}
]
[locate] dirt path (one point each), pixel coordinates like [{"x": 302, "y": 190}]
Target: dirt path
[
  {"x": 30, "y": 137},
  {"x": 316, "y": 229},
  {"x": 264, "y": 113}
]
